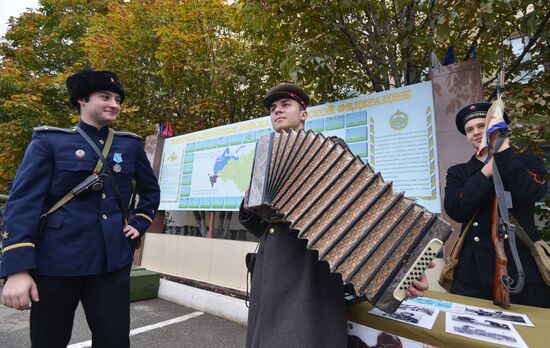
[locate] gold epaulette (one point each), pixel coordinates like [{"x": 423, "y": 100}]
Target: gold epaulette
[{"x": 54, "y": 129}]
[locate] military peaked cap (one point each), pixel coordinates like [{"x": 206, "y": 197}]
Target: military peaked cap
[
  {"x": 471, "y": 111},
  {"x": 286, "y": 90},
  {"x": 86, "y": 82}
]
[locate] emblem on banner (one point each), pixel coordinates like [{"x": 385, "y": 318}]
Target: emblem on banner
[{"x": 399, "y": 120}]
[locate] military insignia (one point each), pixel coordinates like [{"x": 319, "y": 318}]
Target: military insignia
[
  {"x": 5, "y": 235},
  {"x": 117, "y": 157},
  {"x": 80, "y": 153},
  {"x": 113, "y": 81},
  {"x": 399, "y": 120},
  {"x": 117, "y": 168},
  {"x": 472, "y": 107}
]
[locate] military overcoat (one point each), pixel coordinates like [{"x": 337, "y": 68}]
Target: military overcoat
[
  {"x": 294, "y": 300},
  {"x": 469, "y": 191}
]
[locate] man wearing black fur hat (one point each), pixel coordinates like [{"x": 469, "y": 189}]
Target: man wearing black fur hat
[
  {"x": 65, "y": 236},
  {"x": 294, "y": 300},
  {"x": 468, "y": 194}
]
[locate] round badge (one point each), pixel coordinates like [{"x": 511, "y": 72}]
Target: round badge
[
  {"x": 117, "y": 168},
  {"x": 399, "y": 120},
  {"x": 80, "y": 153}
]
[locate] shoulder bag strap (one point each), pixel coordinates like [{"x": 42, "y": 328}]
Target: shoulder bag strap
[
  {"x": 521, "y": 232},
  {"x": 462, "y": 237},
  {"x": 107, "y": 169},
  {"x": 70, "y": 195}
]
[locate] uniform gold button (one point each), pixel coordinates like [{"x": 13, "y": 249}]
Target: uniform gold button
[
  {"x": 104, "y": 217},
  {"x": 272, "y": 230},
  {"x": 476, "y": 239},
  {"x": 475, "y": 223},
  {"x": 103, "y": 196},
  {"x": 101, "y": 141}
]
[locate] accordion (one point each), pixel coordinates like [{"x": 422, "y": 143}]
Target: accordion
[{"x": 377, "y": 240}]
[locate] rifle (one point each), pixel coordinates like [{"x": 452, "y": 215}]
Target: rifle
[
  {"x": 501, "y": 228},
  {"x": 501, "y": 295}
]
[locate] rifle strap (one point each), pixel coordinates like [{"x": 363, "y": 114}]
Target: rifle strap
[
  {"x": 503, "y": 206},
  {"x": 70, "y": 195}
]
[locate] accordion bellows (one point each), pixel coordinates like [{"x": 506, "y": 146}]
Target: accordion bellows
[{"x": 378, "y": 240}]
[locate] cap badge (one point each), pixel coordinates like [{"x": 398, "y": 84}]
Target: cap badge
[
  {"x": 80, "y": 153},
  {"x": 113, "y": 81},
  {"x": 472, "y": 107}
]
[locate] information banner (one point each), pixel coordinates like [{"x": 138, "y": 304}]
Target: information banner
[{"x": 393, "y": 131}]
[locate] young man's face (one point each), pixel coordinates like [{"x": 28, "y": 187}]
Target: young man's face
[
  {"x": 287, "y": 114},
  {"x": 101, "y": 109},
  {"x": 474, "y": 131}
]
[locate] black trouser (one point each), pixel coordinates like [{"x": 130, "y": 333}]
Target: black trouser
[{"x": 106, "y": 302}]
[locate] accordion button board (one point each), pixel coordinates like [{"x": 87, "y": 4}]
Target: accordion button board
[
  {"x": 347, "y": 213},
  {"x": 418, "y": 267}
]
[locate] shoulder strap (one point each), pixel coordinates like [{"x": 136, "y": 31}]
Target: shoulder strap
[
  {"x": 108, "y": 170},
  {"x": 129, "y": 134},
  {"x": 466, "y": 230},
  {"x": 54, "y": 129},
  {"x": 521, "y": 232},
  {"x": 70, "y": 195}
]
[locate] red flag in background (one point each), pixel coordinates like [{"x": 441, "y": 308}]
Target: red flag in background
[{"x": 166, "y": 129}]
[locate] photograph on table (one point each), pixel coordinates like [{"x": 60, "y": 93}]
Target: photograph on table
[
  {"x": 413, "y": 314},
  {"x": 483, "y": 329},
  {"x": 514, "y": 318}
]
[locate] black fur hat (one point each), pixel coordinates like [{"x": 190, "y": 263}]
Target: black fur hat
[{"x": 88, "y": 81}]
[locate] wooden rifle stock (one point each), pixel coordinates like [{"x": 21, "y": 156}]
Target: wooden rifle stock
[{"x": 501, "y": 295}]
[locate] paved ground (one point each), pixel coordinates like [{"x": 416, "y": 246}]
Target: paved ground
[{"x": 191, "y": 328}]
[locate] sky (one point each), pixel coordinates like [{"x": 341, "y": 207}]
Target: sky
[{"x": 13, "y": 8}]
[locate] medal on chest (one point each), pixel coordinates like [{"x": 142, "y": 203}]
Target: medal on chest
[{"x": 117, "y": 158}]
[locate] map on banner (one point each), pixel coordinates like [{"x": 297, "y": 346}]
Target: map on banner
[
  {"x": 393, "y": 131},
  {"x": 225, "y": 175}
]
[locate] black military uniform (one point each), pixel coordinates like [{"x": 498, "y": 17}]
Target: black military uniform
[
  {"x": 82, "y": 253},
  {"x": 468, "y": 190},
  {"x": 294, "y": 301}
]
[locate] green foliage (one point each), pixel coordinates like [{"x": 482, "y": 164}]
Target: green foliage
[
  {"x": 39, "y": 51},
  {"x": 204, "y": 63}
]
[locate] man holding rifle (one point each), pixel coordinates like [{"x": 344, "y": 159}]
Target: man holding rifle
[{"x": 468, "y": 195}]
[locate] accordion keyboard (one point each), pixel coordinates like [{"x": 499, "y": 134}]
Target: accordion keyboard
[{"x": 417, "y": 268}]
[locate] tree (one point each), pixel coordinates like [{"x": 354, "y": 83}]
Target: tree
[
  {"x": 39, "y": 51},
  {"x": 204, "y": 63},
  {"x": 344, "y": 48},
  {"x": 180, "y": 60}
]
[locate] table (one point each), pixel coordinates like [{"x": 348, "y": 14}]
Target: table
[{"x": 538, "y": 336}]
